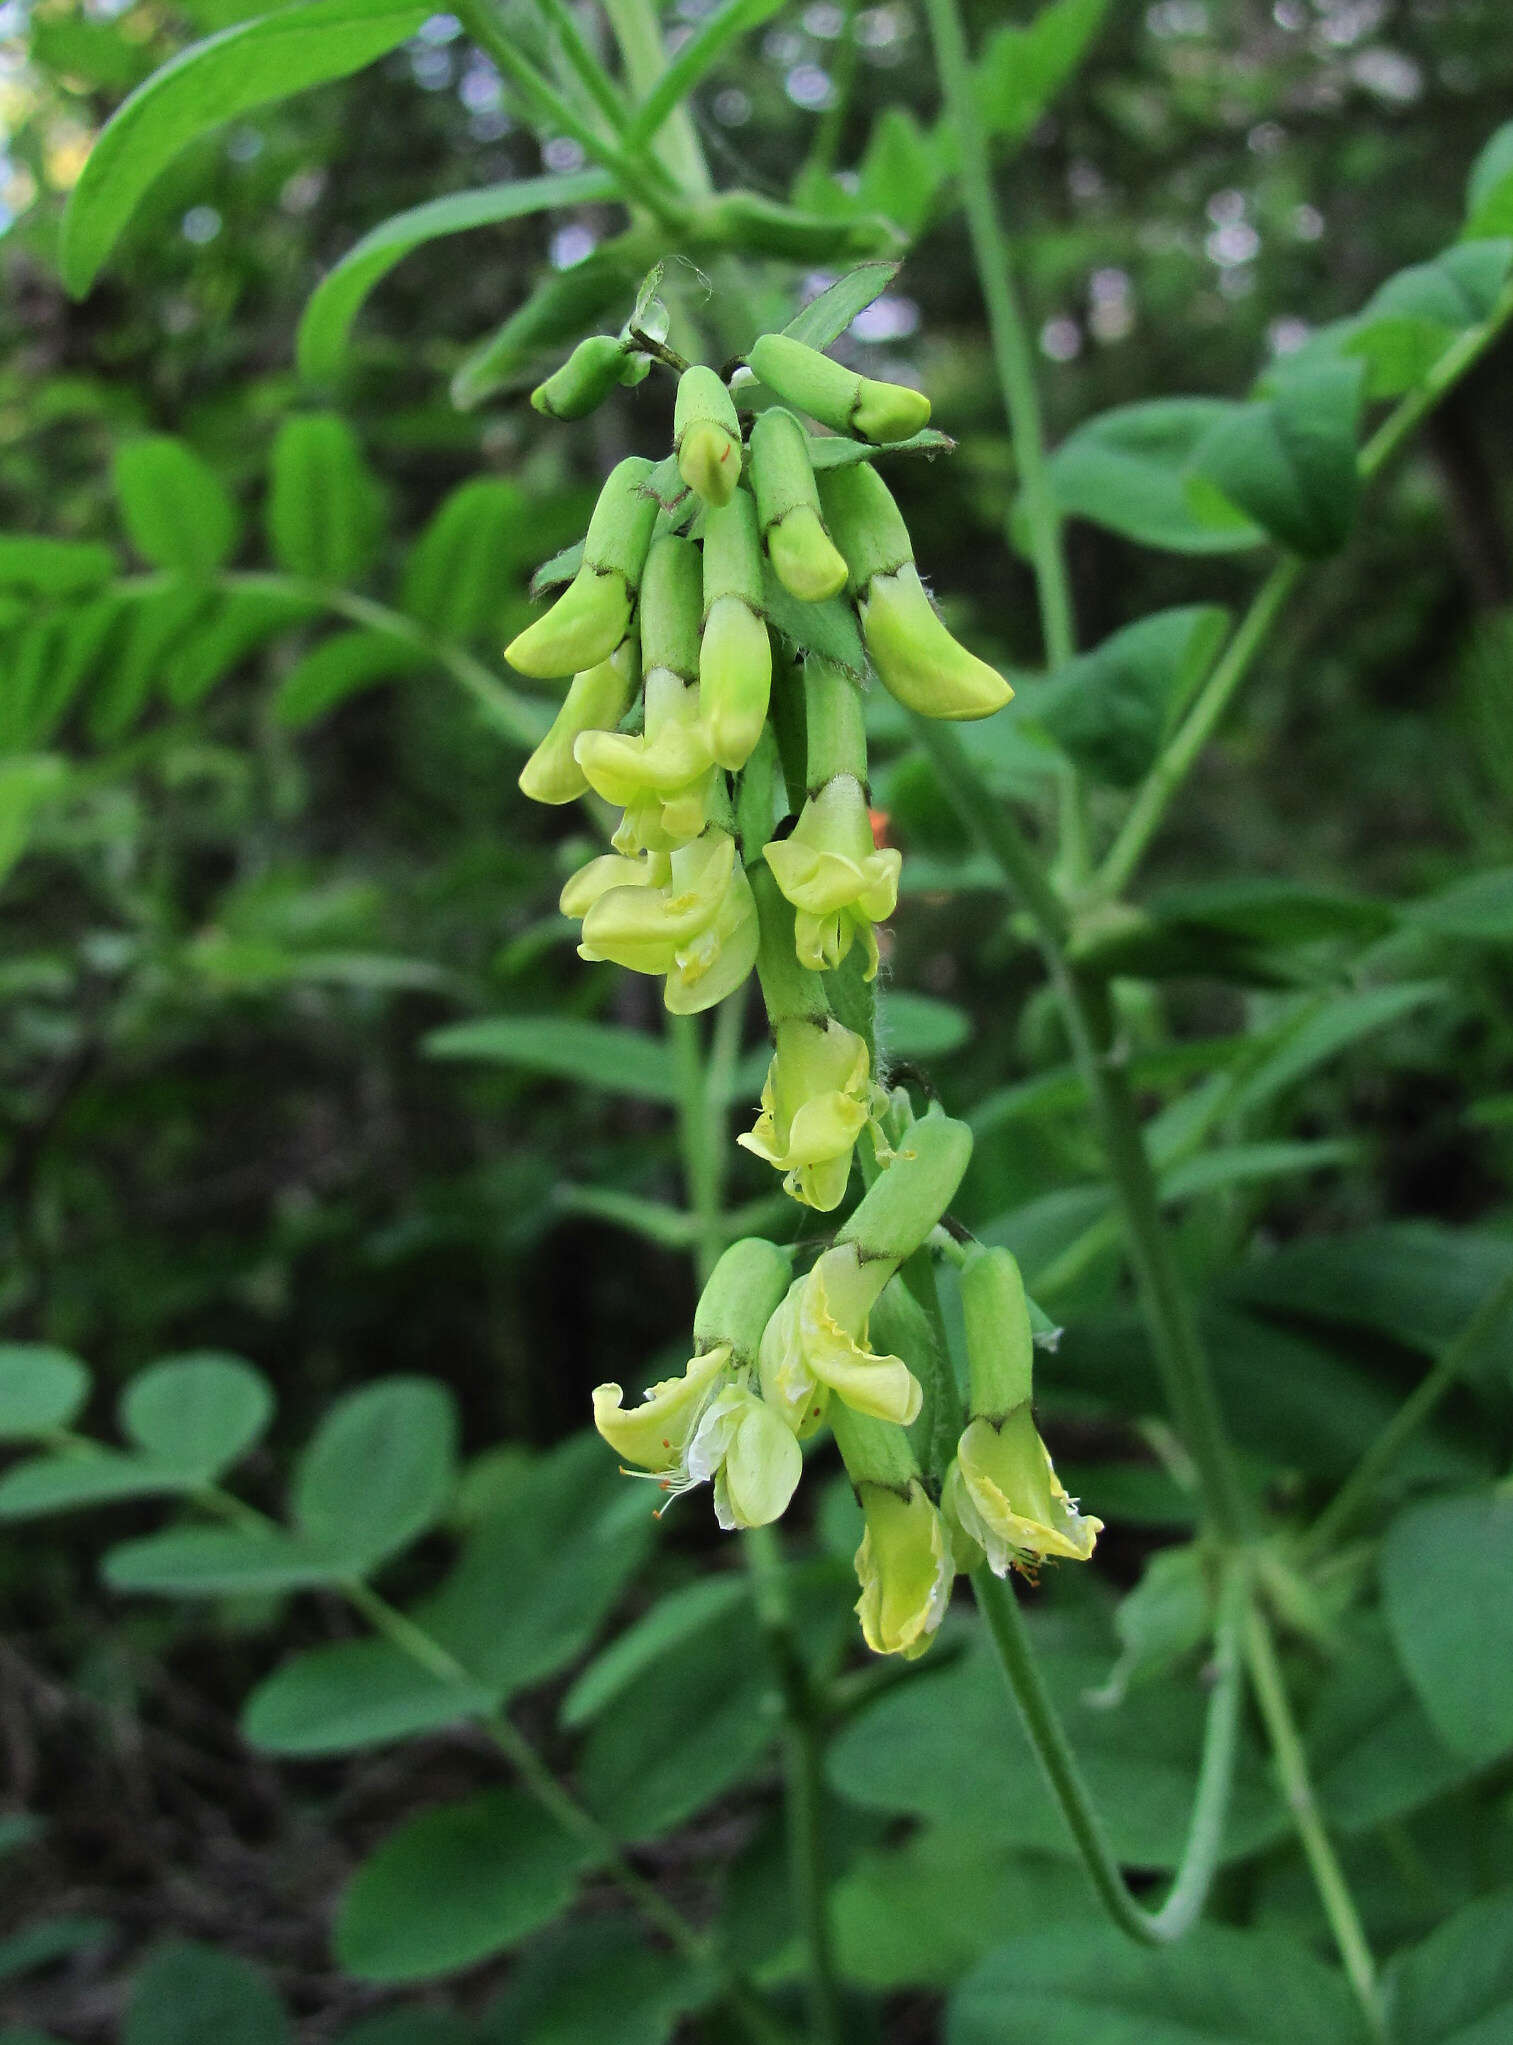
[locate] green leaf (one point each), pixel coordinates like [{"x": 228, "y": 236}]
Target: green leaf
[
  {"x": 825, "y": 318},
  {"x": 694, "y": 60},
  {"x": 354, "y": 1694},
  {"x": 198, "y": 1414},
  {"x": 454, "y": 1886},
  {"x": 540, "y": 1574},
  {"x": 555, "y": 315},
  {"x": 835, "y": 451},
  {"x": 1489, "y": 189},
  {"x": 828, "y": 628},
  {"x": 64, "y": 1483},
  {"x": 157, "y": 623},
  {"x": 52, "y": 1939},
  {"x": 40, "y": 1388},
  {"x": 176, "y": 512},
  {"x": 186, "y": 1994},
  {"x": 1111, "y": 708},
  {"x": 18, "y": 1829},
  {"x": 242, "y": 621},
  {"x": 1479, "y": 908},
  {"x": 44, "y": 567},
  {"x": 325, "y": 327},
  {"x": 27, "y": 785},
  {"x": 379, "y": 1471},
  {"x": 1457, "y": 1987},
  {"x": 911, "y": 1025},
  {"x": 598, "y": 1055},
  {"x": 1375, "y": 1756},
  {"x": 1130, "y": 469},
  {"x": 901, "y": 171},
  {"x": 342, "y": 666},
  {"x": 1087, "y": 1985},
  {"x": 325, "y": 509},
  {"x": 244, "y": 67},
  {"x": 213, "y": 1562},
  {"x": 662, "y": 1631},
  {"x": 460, "y": 569},
  {"x": 1021, "y": 69},
  {"x": 407, "y": 2027},
  {"x": 1409, "y": 322},
  {"x": 1289, "y": 460},
  {"x": 1317, "y": 1031},
  {"x": 1447, "y": 1566},
  {"x": 587, "y": 1983}
]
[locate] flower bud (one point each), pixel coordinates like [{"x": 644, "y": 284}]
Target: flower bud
[
  {"x": 593, "y": 614},
  {"x": 788, "y": 507},
  {"x": 585, "y": 380},
  {"x": 816, "y": 1101},
  {"x": 735, "y": 653},
  {"x": 610, "y": 870},
  {"x": 905, "y": 1569},
  {"x": 838, "y": 397},
  {"x": 707, "y": 435},
  {"x": 901, "y": 1206},
  {"x": 918, "y": 660},
  {"x": 816, "y": 1344},
  {"x": 839, "y": 883},
  {"x": 597, "y": 700},
  {"x": 741, "y": 1295}
]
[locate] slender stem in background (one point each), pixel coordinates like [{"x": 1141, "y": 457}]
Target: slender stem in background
[
  {"x": 585, "y": 66},
  {"x": 1047, "y": 1736},
  {"x": 842, "y": 68},
  {"x": 1297, "y": 1788},
  {"x": 1015, "y": 365},
  {"x": 676, "y": 146},
  {"x": 1357, "y": 1494}
]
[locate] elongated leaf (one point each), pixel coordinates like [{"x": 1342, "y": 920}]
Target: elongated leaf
[
  {"x": 698, "y": 56},
  {"x": 241, "y": 621},
  {"x": 1088, "y": 1985},
  {"x": 835, "y": 451},
  {"x": 325, "y": 510},
  {"x": 48, "y": 1484},
  {"x": 1489, "y": 189},
  {"x": 40, "y": 1388},
  {"x": 1318, "y": 1032},
  {"x": 1479, "y": 908},
  {"x": 1289, "y": 461},
  {"x": 378, "y": 1472},
  {"x": 53, "y": 567},
  {"x": 455, "y": 1885},
  {"x": 245, "y": 66},
  {"x": 1021, "y": 69},
  {"x": 1129, "y": 470},
  {"x": 326, "y": 325},
  {"x": 673, "y": 1620},
  {"x": 176, "y": 511},
  {"x": 188, "y": 1994},
  {"x": 210, "y": 1562},
  {"x": 561, "y": 1047},
  {"x": 460, "y": 569},
  {"x": 53, "y": 1938},
  {"x": 1457, "y": 1987},
  {"x": 825, "y": 318},
  {"x": 351, "y": 1695},
  {"x": 555, "y": 315},
  {"x": 199, "y": 1414},
  {"x": 27, "y": 785},
  {"x": 1447, "y": 1568},
  {"x": 343, "y": 666}
]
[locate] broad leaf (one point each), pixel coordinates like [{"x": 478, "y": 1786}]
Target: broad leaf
[
  {"x": 1288, "y": 461},
  {"x": 378, "y": 1472},
  {"x": 213, "y": 1562},
  {"x": 198, "y": 1414},
  {"x": 326, "y": 325},
  {"x": 672, "y": 1620},
  {"x": 244, "y": 67},
  {"x": 325, "y": 510},
  {"x": 1110, "y": 708},
  {"x": 1447, "y": 1569},
  {"x": 1457, "y": 1987},
  {"x": 49, "y": 1940},
  {"x": 911, "y": 1025},
  {"x": 1130, "y": 469},
  {"x": 587, "y": 1983},
  {"x": 354, "y": 1694},
  {"x": 40, "y": 1389},
  {"x": 1489, "y": 189},
  {"x": 175, "y": 507},
  {"x": 598, "y": 1055},
  {"x": 460, "y": 569},
  {"x": 454, "y": 1886},
  {"x": 188, "y": 1994}
]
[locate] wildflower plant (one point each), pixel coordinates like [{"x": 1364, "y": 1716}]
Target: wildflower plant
[{"x": 701, "y": 675}]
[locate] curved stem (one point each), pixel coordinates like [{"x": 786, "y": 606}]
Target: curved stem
[
  {"x": 1047, "y": 1736},
  {"x": 676, "y": 146},
  {"x": 1297, "y": 1788}
]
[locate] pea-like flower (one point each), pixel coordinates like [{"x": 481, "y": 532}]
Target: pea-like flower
[
  {"x": 659, "y": 777},
  {"x": 816, "y": 1344},
  {"x": 831, "y": 870},
  {"x": 698, "y": 926},
  {"x": 1003, "y": 1493},
  {"x": 707, "y": 1426},
  {"x": 816, "y": 1101},
  {"x": 904, "y": 1567}
]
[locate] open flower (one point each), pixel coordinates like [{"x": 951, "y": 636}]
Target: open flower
[
  {"x": 832, "y": 872},
  {"x": 707, "y": 1426},
  {"x": 904, "y": 1567},
  {"x": 816, "y": 1101},
  {"x": 698, "y": 926},
  {"x": 1003, "y": 1493},
  {"x": 816, "y": 1344},
  {"x": 659, "y": 777}
]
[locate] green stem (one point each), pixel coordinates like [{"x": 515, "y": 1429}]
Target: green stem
[
  {"x": 700, "y": 1142},
  {"x": 643, "y": 179},
  {"x": 827, "y": 136},
  {"x": 1047, "y": 1736},
  {"x": 585, "y": 66},
  {"x": 1177, "y": 759},
  {"x": 1297, "y": 1789},
  {"x": 676, "y": 146},
  {"x": 1354, "y": 1499}
]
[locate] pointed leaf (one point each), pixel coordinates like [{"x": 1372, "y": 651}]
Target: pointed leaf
[
  {"x": 592, "y": 1054},
  {"x": 343, "y": 666},
  {"x": 325, "y": 510},
  {"x": 176, "y": 512},
  {"x": 825, "y": 318},
  {"x": 1289, "y": 461},
  {"x": 1129, "y": 470},
  {"x": 1447, "y": 1568}
]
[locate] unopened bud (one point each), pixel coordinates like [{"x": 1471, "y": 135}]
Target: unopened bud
[
  {"x": 593, "y": 614},
  {"x": 838, "y": 397},
  {"x": 707, "y": 435},
  {"x": 788, "y": 507},
  {"x": 905, "y": 1569},
  {"x": 735, "y": 654},
  {"x": 596, "y": 701},
  {"x": 741, "y": 1295},
  {"x": 585, "y": 380}
]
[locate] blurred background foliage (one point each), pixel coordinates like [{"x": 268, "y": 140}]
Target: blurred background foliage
[{"x": 229, "y": 939}]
